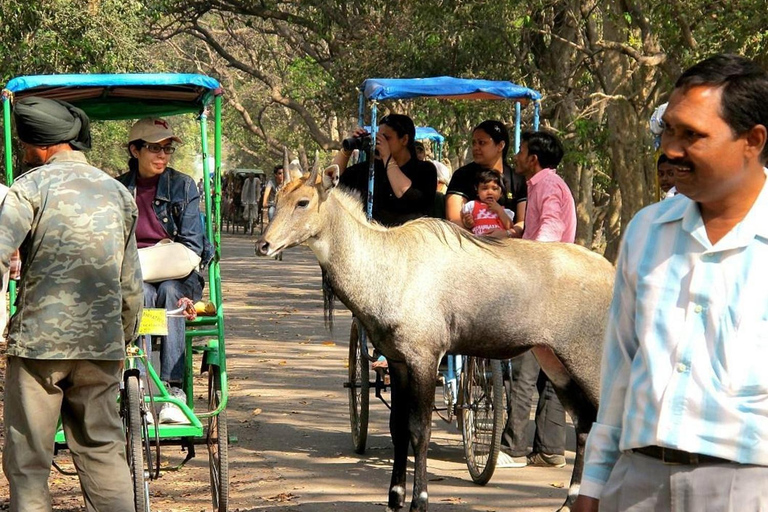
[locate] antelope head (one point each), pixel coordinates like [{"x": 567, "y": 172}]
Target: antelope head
[{"x": 298, "y": 213}]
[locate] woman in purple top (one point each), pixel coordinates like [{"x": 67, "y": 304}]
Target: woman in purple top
[{"x": 169, "y": 208}]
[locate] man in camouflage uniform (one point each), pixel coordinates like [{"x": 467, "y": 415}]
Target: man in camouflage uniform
[
  {"x": 79, "y": 299},
  {"x": 3, "y": 284}
]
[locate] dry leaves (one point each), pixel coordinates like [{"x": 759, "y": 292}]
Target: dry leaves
[{"x": 283, "y": 497}]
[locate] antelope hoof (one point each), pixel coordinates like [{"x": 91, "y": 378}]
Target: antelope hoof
[
  {"x": 420, "y": 503},
  {"x": 396, "y": 499}
]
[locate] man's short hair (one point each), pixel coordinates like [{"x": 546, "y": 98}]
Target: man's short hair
[
  {"x": 546, "y": 146},
  {"x": 745, "y": 89}
]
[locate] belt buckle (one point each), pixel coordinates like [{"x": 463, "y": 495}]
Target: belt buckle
[{"x": 693, "y": 458}]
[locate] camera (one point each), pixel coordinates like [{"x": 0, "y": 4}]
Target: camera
[{"x": 363, "y": 143}]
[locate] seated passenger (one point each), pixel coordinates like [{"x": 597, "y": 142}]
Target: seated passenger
[
  {"x": 404, "y": 188},
  {"x": 490, "y": 146},
  {"x": 169, "y": 208}
]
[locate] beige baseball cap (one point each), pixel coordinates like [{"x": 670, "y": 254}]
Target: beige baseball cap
[{"x": 152, "y": 129}]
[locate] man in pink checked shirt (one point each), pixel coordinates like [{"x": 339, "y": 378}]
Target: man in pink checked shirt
[{"x": 550, "y": 217}]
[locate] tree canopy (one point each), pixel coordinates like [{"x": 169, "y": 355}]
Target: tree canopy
[{"x": 290, "y": 69}]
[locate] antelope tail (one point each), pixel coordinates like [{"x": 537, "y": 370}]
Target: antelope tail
[{"x": 329, "y": 300}]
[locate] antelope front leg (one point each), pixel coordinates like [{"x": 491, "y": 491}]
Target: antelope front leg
[
  {"x": 398, "y": 429},
  {"x": 423, "y": 380}
]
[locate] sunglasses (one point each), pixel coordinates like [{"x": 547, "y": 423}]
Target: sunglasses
[{"x": 156, "y": 148}]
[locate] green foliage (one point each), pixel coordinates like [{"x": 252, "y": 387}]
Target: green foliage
[{"x": 68, "y": 36}]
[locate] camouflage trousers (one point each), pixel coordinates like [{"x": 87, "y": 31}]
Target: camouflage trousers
[{"x": 84, "y": 393}]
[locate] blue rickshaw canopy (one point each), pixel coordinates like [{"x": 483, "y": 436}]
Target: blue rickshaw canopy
[
  {"x": 423, "y": 133},
  {"x": 428, "y": 133},
  {"x": 445, "y": 87},
  {"x": 122, "y": 95}
]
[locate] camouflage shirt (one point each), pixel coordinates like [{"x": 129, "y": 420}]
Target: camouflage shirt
[{"x": 80, "y": 292}]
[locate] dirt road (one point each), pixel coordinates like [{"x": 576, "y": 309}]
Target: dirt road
[{"x": 289, "y": 414}]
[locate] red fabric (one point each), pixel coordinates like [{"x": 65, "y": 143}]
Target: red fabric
[{"x": 486, "y": 220}]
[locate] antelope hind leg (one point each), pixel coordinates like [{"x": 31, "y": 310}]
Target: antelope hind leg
[
  {"x": 422, "y": 402},
  {"x": 579, "y": 407},
  {"x": 398, "y": 429}
]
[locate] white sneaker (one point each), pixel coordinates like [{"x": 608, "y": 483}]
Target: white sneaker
[
  {"x": 170, "y": 413},
  {"x": 507, "y": 461},
  {"x": 150, "y": 418}
]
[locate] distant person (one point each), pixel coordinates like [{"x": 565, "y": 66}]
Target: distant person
[
  {"x": 274, "y": 186},
  {"x": 488, "y": 216},
  {"x": 683, "y": 417},
  {"x": 490, "y": 147},
  {"x": 79, "y": 303},
  {"x": 665, "y": 171},
  {"x": 443, "y": 172},
  {"x": 251, "y": 198},
  {"x": 550, "y": 217}
]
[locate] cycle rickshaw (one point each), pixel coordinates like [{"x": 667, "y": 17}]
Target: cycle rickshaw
[
  {"x": 232, "y": 209},
  {"x": 129, "y": 96},
  {"x": 473, "y": 388}
]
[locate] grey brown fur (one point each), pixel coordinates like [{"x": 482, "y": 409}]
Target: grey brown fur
[{"x": 427, "y": 288}]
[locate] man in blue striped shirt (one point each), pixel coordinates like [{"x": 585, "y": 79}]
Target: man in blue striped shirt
[{"x": 683, "y": 417}]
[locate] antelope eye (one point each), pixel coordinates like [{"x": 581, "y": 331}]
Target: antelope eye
[{"x": 303, "y": 203}]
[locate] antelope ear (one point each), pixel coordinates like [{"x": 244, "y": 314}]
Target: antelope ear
[{"x": 330, "y": 177}]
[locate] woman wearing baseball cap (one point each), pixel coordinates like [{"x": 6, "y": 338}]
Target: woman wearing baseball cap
[{"x": 169, "y": 208}]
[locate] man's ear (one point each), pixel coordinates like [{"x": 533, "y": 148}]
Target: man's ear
[
  {"x": 756, "y": 139},
  {"x": 330, "y": 177}
]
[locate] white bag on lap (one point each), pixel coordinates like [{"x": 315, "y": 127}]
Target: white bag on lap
[{"x": 167, "y": 260}]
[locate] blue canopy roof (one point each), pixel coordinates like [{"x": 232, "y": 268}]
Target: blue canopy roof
[
  {"x": 445, "y": 87},
  {"x": 422, "y": 133},
  {"x": 428, "y": 133},
  {"x": 123, "y": 96}
]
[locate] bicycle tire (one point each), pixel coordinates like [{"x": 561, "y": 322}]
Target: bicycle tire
[
  {"x": 482, "y": 416},
  {"x": 217, "y": 439},
  {"x": 131, "y": 405},
  {"x": 359, "y": 390}
]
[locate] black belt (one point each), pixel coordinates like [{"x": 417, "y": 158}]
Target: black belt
[{"x": 672, "y": 456}]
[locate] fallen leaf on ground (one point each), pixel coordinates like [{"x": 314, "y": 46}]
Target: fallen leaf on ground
[
  {"x": 256, "y": 412},
  {"x": 558, "y": 485},
  {"x": 329, "y": 343},
  {"x": 454, "y": 499},
  {"x": 282, "y": 497}
]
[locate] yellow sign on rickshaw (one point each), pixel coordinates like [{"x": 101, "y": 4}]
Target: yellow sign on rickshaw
[{"x": 153, "y": 322}]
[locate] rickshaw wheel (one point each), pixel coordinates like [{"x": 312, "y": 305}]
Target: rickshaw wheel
[
  {"x": 481, "y": 418},
  {"x": 217, "y": 441},
  {"x": 359, "y": 390},
  {"x": 131, "y": 412}
]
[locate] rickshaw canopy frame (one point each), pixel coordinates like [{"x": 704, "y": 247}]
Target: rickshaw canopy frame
[{"x": 441, "y": 87}]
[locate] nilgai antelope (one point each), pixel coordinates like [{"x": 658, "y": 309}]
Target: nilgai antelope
[{"x": 427, "y": 288}]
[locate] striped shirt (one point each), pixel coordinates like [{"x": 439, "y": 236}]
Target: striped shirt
[
  {"x": 686, "y": 346},
  {"x": 550, "y": 215}
]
